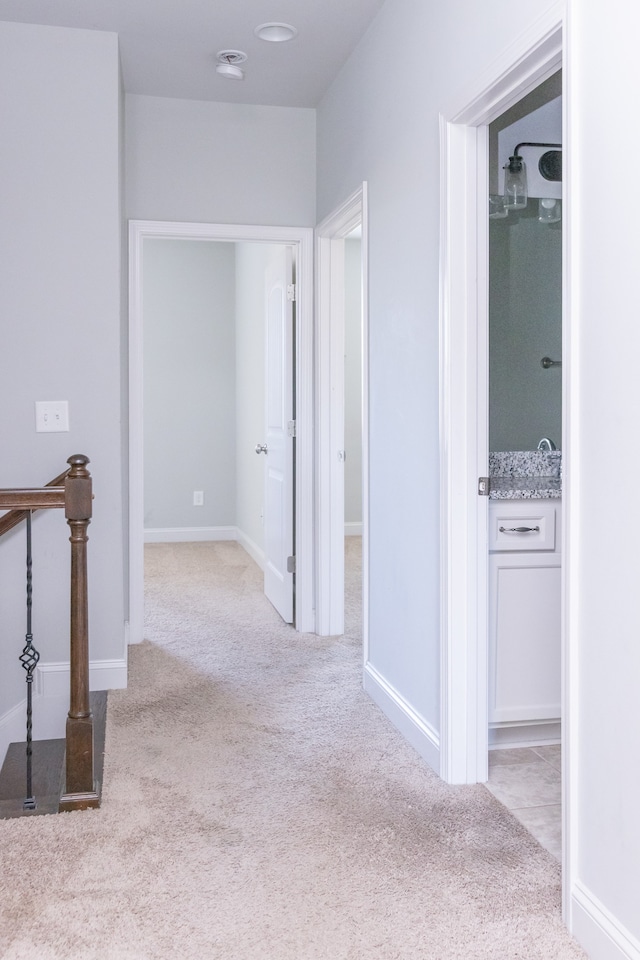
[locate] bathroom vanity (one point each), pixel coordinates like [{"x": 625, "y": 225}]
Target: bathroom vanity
[{"x": 524, "y": 597}]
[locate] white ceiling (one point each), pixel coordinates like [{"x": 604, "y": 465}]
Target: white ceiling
[{"x": 168, "y": 47}]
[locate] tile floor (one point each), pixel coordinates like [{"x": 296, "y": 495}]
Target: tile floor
[{"x": 527, "y": 780}]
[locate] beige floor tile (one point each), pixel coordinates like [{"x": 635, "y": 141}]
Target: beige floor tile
[
  {"x": 525, "y": 784},
  {"x": 512, "y": 755},
  {"x": 545, "y": 824},
  {"x": 552, "y": 753}
]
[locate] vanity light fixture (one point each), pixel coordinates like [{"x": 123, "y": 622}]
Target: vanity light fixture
[
  {"x": 276, "y": 32},
  {"x": 515, "y": 184},
  {"x": 228, "y": 64}
]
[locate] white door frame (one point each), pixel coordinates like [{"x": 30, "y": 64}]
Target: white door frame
[
  {"x": 330, "y": 294},
  {"x": 302, "y": 239}
]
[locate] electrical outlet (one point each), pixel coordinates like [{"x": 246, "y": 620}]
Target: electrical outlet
[
  {"x": 198, "y": 498},
  {"x": 52, "y": 416}
]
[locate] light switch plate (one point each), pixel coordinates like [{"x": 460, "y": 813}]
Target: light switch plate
[{"x": 52, "y": 416}]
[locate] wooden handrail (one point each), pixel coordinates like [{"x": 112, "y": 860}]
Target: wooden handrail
[
  {"x": 71, "y": 490},
  {"x": 12, "y": 499}
]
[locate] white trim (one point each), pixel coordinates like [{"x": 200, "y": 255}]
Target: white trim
[
  {"x": 416, "y": 730},
  {"x": 464, "y": 719},
  {"x": 52, "y": 679},
  {"x": 302, "y": 239},
  {"x": 536, "y": 733},
  {"x": 188, "y": 534},
  {"x": 353, "y": 528},
  {"x": 330, "y": 235},
  {"x": 598, "y": 931},
  {"x": 570, "y": 530}
]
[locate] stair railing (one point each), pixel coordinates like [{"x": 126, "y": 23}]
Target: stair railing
[{"x": 71, "y": 491}]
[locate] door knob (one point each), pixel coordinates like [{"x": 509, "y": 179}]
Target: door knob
[{"x": 261, "y": 448}]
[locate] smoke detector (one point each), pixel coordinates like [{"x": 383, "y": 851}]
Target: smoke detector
[{"x": 228, "y": 64}]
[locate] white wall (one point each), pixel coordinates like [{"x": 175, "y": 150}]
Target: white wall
[
  {"x": 219, "y": 162},
  {"x": 604, "y": 410},
  {"x": 189, "y": 383},
  {"x": 353, "y": 382},
  {"x": 60, "y": 233}
]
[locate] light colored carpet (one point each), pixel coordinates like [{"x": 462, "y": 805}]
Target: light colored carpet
[{"x": 258, "y": 806}]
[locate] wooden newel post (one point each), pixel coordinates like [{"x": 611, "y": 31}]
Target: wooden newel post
[{"x": 80, "y": 789}]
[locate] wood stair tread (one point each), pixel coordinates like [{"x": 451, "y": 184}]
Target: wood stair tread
[{"x": 48, "y": 760}]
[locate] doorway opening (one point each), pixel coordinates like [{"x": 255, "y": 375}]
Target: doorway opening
[
  {"x": 342, "y": 409},
  {"x": 525, "y": 460},
  {"x": 152, "y": 498}
]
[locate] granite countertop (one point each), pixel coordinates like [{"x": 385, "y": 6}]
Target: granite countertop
[{"x": 525, "y": 475}]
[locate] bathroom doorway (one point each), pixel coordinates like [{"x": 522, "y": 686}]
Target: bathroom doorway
[
  {"x": 464, "y": 340},
  {"x": 525, "y": 460}
]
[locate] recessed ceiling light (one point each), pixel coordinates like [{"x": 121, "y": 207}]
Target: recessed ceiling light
[{"x": 276, "y": 32}]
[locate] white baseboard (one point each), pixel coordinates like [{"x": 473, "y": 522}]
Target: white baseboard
[
  {"x": 536, "y": 734},
  {"x": 51, "y": 700},
  {"x": 199, "y": 534},
  {"x": 252, "y": 548},
  {"x": 420, "y": 734},
  {"x": 188, "y": 534},
  {"x": 52, "y": 679},
  {"x": 353, "y": 528},
  {"x": 598, "y": 931}
]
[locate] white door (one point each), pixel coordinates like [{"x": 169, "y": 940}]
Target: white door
[{"x": 279, "y": 435}]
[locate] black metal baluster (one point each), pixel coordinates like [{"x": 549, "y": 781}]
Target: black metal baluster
[{"x": 29, "y": 659}]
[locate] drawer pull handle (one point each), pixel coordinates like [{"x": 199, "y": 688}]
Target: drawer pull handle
[{"x": 519, "y": 529}]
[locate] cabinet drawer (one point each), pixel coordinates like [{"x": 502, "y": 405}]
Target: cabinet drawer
[{"x": 522, "y": 525}]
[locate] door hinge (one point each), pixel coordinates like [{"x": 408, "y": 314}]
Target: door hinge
[
  {"x": 291, "y": 291},
  {"x": 291, "y": 428},
  {"x": 484, "y": 486},
  {"x": 291, "y": 564}
]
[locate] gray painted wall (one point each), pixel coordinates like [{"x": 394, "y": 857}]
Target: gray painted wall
[
  {"x": 204, "y": 389},
  {"x": 525, "y": 324},
  {"x": 219, "y": 162},
  {"x": 189, "y": 382},
  {"x": 525, "y": 295},
  {"x": 60, "y": 271}
]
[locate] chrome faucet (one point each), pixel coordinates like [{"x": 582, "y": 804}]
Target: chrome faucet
[{"x": 546, "y": 444}]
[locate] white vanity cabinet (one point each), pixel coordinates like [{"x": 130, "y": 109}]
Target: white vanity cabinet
[{"x": 524, "y": 611}]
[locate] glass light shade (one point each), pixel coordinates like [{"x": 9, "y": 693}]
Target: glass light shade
[
  {"x": 549, "y": 211},
  {"x": 515, "y": 184},
  {"x": 497, "y": 209}
]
